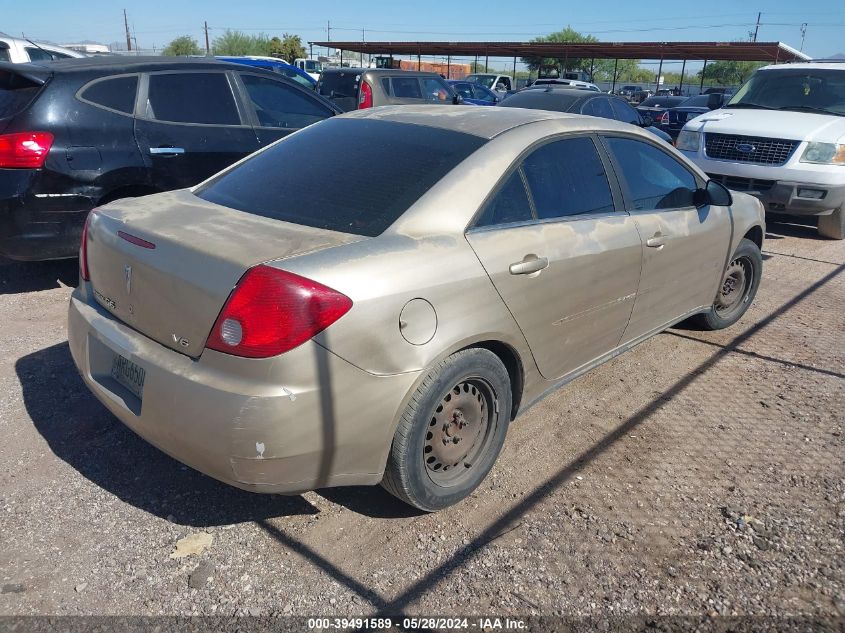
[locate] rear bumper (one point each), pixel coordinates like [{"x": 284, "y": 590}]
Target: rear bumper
[
  {"x": 36, "y": 226},
  {"x": 303, "y": 420}
]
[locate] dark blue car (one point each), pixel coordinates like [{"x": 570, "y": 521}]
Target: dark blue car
[
  {"x": 276, "y": 66},
  {"x": 473, "y": 93}
]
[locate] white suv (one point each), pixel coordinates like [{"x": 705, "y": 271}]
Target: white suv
[
  {"x": 18, "y": 51},
  {"x": 780, "y": 138}
]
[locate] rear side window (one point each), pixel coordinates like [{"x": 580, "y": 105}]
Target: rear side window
[
  {"x": 192, "y": 98},
  {"x": 353, "y": 175},
  {"x": 624, "y": 112},
  {"x": 4, "y": 54},
  {"x": 406, "y": 88},
  {"x": 655, "y": 180},
  {"x": 15, "y": 93},
  {"x": 117, "y": 93},
  {"x": 40, "y": 55},
  {"x": 278, "y": 105},
  {"x": 567, "y": 178},
  {"x": 510, "y": 204},
  {"x": 598, "y": 107},
  {"x": 385, "y": 85}
]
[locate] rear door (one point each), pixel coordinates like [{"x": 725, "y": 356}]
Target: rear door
[
  {"x": 189, "y": 126},
  {"x": 562, "y": 254},
  {"x": 277, "y": 108},
  {"x": 684, "y": 246}
]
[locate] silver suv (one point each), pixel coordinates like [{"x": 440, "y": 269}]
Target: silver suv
[{"x": 357, "y": 88}]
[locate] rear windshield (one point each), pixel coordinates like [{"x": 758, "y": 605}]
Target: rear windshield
[
  {"x": 348, "y": 175},
  {"x": 666, "y": 102},
  {"x": 542, "y": 100},
  {"x": 699, "y": 101},
  {"x": 339, "y": 84},
  {"x": 15, "y": 93}
]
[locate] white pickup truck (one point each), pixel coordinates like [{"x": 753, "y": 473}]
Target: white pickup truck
[{"x": 780, "y": 138}]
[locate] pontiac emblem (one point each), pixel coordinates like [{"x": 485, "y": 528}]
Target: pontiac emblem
[{"x": 127, "y": 275}]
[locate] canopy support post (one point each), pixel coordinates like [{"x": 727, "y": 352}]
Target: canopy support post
[
  {"x": 703, "y": 69},
  {"x": 683, "y": 68},
  {"x": 615, "y": 69}
]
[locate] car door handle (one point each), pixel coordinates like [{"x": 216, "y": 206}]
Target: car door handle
[
  {"x": 167, "y": 151},
  {"x": 529, "y": 264},
  {"x": 656, "y": 241}
]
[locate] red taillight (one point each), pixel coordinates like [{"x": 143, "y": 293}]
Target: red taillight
[
  {"x": 24, "y": 150},
  {"x": 663, "y": 118},
  {"x": 365, "y": 99},
  {"x": 272, "y": 311},
  {"x": 83, "y": 250}
]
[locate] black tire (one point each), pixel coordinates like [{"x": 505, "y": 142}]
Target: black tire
[
  {"x": 465, "y": 397},
  {"x": 737, "y": 289},
  {"x": 833, "y": 225}
]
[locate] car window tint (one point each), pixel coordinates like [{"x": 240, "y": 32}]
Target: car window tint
[
  {"x": 655, "y": 179},
  {"x": 406, "y": 88},
  {"x": 191, "y": 98},
  {"x": 4, "y": 54},
  {"x": 465, "y": 90},
  {"x": 510, "y": 204},
  {"x": 385, "y": 84},
  {"x": 278, "y": 105},
  {"x": 290, "y": 73},
  {"x": 117, "y": 93},
  {"x": 38, "y": 54},
  {"x": 624, "y": 112},
  {"x": 332, "y": 186},
  {"x": 484, "y": 94},
  {"x": 339, "y": 84},
  {"x": 567, "y": 178},
  {"x": 436, "y": 90},
  {"x": 598, "y": 107}
]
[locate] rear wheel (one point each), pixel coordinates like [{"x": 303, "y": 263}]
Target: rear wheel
[
  {"x": 833, "y": 225},
  {"x": 737, "y": 290},
  {"x": 451, "y": 431}
]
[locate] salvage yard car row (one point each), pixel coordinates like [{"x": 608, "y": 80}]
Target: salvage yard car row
[{"x": 376, "y": 297}]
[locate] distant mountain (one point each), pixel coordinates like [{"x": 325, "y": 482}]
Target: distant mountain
[{"x": 837, "y": 56}]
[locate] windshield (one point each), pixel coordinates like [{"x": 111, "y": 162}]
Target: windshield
[
  {"x": 699, "y": 101},
  {"x": 484, "y": 80},
  {"x": 313, "y": 67},
  {"x": 800, "y": 89},
  {"x": 335, "y": 185}
]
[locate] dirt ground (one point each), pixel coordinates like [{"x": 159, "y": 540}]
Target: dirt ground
[{"x": 699, "y": 474}]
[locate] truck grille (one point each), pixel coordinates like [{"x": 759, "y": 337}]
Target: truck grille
[
  {"x": 763, "y": 151},
  {"x": 738, "y": 183}
]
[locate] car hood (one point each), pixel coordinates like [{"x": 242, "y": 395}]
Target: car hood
[{"x": 799, "y": 126}]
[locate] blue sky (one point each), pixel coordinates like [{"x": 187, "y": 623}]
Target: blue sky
[{"x": 156, "y": 22}]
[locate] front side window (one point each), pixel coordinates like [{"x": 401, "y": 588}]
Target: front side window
[
  {"x": 436, "y": 90},
  {"x": 510, "y": 204},
  {"x": 278, "y": 105},
  {"x": 655, "y": 180},
  {"x": 464, "y": 90},
  {"x": 191, "y": 98},
  {"x": 406, "y": 88},
  {"x": 117, "y": 93},
  {"x": 567, "y": 178},
  {"x": 598, "y": 107}
]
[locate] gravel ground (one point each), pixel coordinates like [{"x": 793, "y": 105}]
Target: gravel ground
[{"x": 700, "y": 474}]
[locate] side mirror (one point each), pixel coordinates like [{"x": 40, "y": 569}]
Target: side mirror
[
  {"x": 714, "y": 101},
  {"x": 714, "y": 193}
]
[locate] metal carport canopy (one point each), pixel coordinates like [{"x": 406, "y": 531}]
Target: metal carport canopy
[{"x": 711, "y": 51}]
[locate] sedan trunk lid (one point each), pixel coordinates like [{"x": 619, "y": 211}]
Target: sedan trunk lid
[{"x": 165, "y": 264}]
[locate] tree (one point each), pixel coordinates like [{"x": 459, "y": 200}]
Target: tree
[
  {"x": 288, "y": 48},
  {"x": 182, "y": 46},
  {"x": 569, "y": 35},
  {"x": 238, "y": 44},
  {"x": 729, "y": 73}
]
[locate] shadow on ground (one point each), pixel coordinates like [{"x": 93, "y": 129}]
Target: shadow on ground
[
  {"x": 20, "y": 277},
  {"x": 83, "y": 433},
  {"x": 781, "y": 226}
]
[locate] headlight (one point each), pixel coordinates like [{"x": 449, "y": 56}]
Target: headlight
[
  {"x": 688, "y": 140},
  {"x": 824, "y": 154}
]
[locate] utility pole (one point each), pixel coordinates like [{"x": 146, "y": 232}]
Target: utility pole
[
  {"x": 128, "y": 37},
  {"x": 803, "y": 34},
  {"x": 757, "y": 27},
  {"x": 207, "y": 47},
  {"x": 328, "y": 37}
]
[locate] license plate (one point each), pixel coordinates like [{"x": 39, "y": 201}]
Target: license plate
[{"x": 128, "y": 374}]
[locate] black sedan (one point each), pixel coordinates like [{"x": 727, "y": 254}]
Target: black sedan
[
  {"x": 655, "y": 107},
  {"x": 673, "y": 121},
  {"x": 576, "y": 101}
]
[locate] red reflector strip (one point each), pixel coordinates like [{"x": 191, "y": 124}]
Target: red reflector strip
[{"x": 137, "y": 241}]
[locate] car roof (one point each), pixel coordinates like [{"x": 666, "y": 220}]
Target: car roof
[
  {"x": 810, "y": 65},
  {"x": 118, "y": 64},
  {"x": 382, "y": 71},
  {"x": 468, "y": 120}
]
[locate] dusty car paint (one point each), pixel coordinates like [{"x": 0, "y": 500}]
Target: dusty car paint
[{"x": 324, "y": 413}]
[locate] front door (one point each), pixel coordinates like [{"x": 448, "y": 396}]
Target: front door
[
  {"x": 684, "y": 246},
  {"x": 565, "y": 261},
  {"x": 190, "y": 127}
]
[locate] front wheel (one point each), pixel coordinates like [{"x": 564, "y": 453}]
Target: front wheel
[
  {"x": 738, "y": 288},
  {"x": 451, "y": 431},
  {"x": 833, "y": 225}
]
